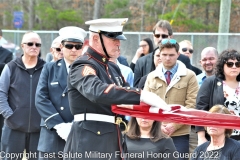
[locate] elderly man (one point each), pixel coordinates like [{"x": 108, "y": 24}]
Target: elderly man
[
  {"x": 52, "y": 95},
  {"x": 55, "y": 51},
  {"x": 94, "y": 84},
  {"x": 18, "y": 84},
  {"x": 186, "y": 49},
  {"x": 208, "y": 62}
]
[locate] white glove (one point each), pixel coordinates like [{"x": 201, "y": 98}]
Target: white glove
[
  {"x": 63, "y": 130},
  {"x": 154, "y": 100}
]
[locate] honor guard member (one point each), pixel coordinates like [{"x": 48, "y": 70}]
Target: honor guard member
[
  {"x": 52, "y": 95},
  {"x": 94, "y": 84}
]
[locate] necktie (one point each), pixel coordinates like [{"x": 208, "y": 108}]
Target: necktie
[{"x": 168, "y": 79}]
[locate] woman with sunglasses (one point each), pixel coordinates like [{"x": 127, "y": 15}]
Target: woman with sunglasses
[
  {"x": 221, "y": 88},
  {"x": 145, "y": 47}
]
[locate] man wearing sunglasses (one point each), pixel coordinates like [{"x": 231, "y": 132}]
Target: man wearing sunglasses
[
  {"x": 94, "y": 84},
  {"x": 144, "y": 65},
  {"x": 175, "y": 84},
  {"x": 186, "y": 49},
  {"x": 52, "y": 94},
  {"x": 55, "y": 51},
  {"x": 18, "y": 84}
]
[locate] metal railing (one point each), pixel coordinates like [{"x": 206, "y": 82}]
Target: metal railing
[{"x": 129, "y": 47}]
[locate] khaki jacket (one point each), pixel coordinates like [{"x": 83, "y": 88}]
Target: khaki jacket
[{"x": 182, "y": 90}]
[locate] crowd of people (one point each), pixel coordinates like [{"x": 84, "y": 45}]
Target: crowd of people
[{"x": 61, "y": 109}]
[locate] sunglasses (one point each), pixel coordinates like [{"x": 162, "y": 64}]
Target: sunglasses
[
  {"x": 31, "y": 44},
  {"x": 185, "y": 50},
  {"x": 230, "y": 64},
  {"x": 58, "y": 49},
  {"x": 163, "y": 35},
  {"x": 171, "y": 41},
  {"x": 70, "y": 46},
  {"x": 111, "y": 34}
]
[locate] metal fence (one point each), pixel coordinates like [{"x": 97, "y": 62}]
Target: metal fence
[{"x": 129, "y": 47}]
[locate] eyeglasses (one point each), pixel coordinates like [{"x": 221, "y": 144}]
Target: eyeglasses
[
  {"x": 185, "y": 50},
  {"x": 70, "y": 46},
  {"x": 31, "y": 44},
  {"x": 58, "y": 49},
  {"x": 171, "y": 41},
  {"x": 163, "y": 35},
  {"x": 230, "y": 64}
]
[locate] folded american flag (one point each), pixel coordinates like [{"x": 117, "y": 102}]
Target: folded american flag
[{"x": 180, "y": 114}]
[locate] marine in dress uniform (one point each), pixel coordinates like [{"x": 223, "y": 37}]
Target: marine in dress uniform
[
  {"x": 94, "y": 84},
  {"x": 52, "y": 96}
]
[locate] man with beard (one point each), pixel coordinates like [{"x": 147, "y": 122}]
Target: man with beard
[{"x": 208, "y": 62}]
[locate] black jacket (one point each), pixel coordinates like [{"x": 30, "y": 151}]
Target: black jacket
[
  {"x": 230, "y": 151},
  {"x": 5, "y": 57},
  {"x": 89, "y": 94},
  {"x": 94, "y": 84},
  {"x": 145, "y": 65},
  {"x": 209, "y": 94},
  {"x": 20, "y": 96}
]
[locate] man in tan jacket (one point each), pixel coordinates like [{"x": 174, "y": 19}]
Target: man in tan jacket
[{"x": 175, "y": 84}]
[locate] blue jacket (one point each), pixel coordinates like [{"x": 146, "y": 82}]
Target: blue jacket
[{"x": 52, "y": 105}]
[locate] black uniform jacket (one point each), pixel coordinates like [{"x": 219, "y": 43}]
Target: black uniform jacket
[
  {"x": 94, "y": 85},
  {"x": 52, "y": 105}
]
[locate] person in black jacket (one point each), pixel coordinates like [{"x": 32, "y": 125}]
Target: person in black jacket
[
  {"x": 221, "y": 88},
  {"x": 18, "y": 84},
  {"x": 145, "y": 65},
  {"x": 5, "y": 57}
]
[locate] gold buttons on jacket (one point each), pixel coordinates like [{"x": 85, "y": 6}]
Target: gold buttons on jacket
[
  {"x": 62, "y": 108},
  {"x": 63, "y": 95},
  {"x": 98, "y": 132}
]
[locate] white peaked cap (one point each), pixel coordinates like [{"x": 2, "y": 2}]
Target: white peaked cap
[
  {"x": 107, "y": 24},
  {"x": 72, "y": 34}
]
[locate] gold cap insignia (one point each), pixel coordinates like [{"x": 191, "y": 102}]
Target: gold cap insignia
[
  {"x": 219, "y": 83},
  {"x": 103, "y": 59}
]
